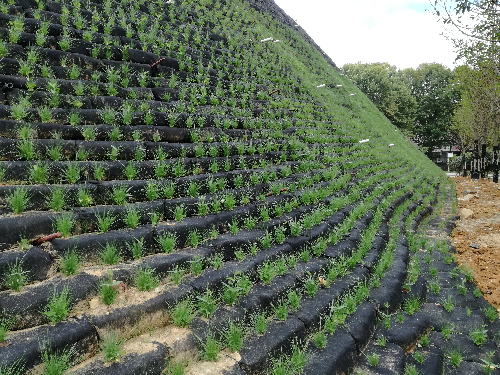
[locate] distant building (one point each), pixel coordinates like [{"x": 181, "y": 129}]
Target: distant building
[{"x": 441, "y": 156}]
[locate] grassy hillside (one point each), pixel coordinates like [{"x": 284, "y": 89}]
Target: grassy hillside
[{"x": 192, "y": 186}]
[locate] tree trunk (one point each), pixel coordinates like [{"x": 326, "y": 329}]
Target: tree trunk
[
  {"x": 483, "y": 160},
  {"x": 495, "y": 153},
  {"x": 495, "y": 164},
  {"x": 475, "y": 162},
  {"x": 464, "y": 164}
]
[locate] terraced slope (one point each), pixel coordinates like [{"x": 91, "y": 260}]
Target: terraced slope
[{"x": 193, "y": 186}]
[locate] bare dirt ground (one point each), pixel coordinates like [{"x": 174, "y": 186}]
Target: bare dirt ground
[{"x": 477, "y": 235}]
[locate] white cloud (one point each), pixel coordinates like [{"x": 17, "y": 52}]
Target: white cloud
[{"x": 399, "y": 32}]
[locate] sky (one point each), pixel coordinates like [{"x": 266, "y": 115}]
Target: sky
[{"x": 403, "y": 33}]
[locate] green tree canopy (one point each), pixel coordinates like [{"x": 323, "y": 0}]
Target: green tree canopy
[
  {"x": 421, "y": 101},
  {"x": 475, "y": 116},
  {"x": 382, "y": 83},
  {"x": 436, "y": 95}
]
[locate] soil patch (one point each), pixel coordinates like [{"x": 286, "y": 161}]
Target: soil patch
[{"x": 477, "y": 235}]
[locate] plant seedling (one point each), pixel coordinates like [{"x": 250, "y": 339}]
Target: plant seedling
[
  {"x": 39, "y": 173},
  {"x": 298, "y": 359},
  {"x": 231, "y": 292},
  {"x": 243, "y": 282},
  {"x": 311, "y": 286},
  {"x": 193, "y": 239},
  {"x": 203, "y": 208},
  {"x": 169, "y": 190},
  {"x": 120, "y": 194},
  {"x": 425, "y": 341},
  {"x": 491, "y": 313},
  {"x": 433, "y": 271},
  {"x": 217, "y": 261},
  {"x": 267, "y": 272},
  {"x": 176, "y": 275},
  {"x": 448, "y": 304},
  {"x": 56, "y": 362},
  {"x": 234, "y": 227},
  {"x": 447, "y": 331},
  {"x": 281, "y": 266},
  {"x": 99, "y": 172},
  {"x": 331, "y": 325},
  {"x": 5, "y": 325},
  {"x": 175, "y": 368},
  {"x": 434, "y": 286},
  {"x": 196, "y": 265},
  {"x": 183, "y": 314},
  {"x": 373, "y": 359},
  {"x": 110, "y": 255},
  {"x": 411, "y": 370},
  {"x": 281, "y": 311},
  {"x": 130, "y": 171},
  {"x": 58, "y": 306},
  {"x": 477, "y": 292},
  {"x": 136, "y": 247},
  {"x": 18, "y": 200},
  {"x": 26, "y": 149},
  {"x": 152, "y": 191},
  {"x": 411, "y": 305},
  {"x": 15, "y": 277},
  {"x": 70, "y": 263},
  {"x": 167, "y": 242},
  {"x": 381, "y": 341},
  {"x": 279, "y": 235},
  {"x": 155, "y": 217},
  {"x": 210, "y": 348},
  {"x": 193, "y": 189},
  {"x": 455, "y": 357},
  {"x": 234, "y": 337},
  {"x": 468, "y": 273},
  {"x": 105, "y": 220},
  {"x": 206, "y": 303},
  {"x": 146, "y": 280},
  {"x": 64, "y": 223},
  {"x": 111, "y": 347},
  {"x": 229, "y": 202},
  {"x": 305, "y": 255},
  {"x": 479, "y": 335},
  {"x": 108, "y": 292},
  {"x": 489, "y": 366},
  {"x": 419, "y": 357},
  {"x": 462, "y": 288},
  {"x": 24, "y": 244},
  {"x": 84, "y": 197},
  {"x": 266, "y": 241},
  {"x": 132, "y": 217},
  {"x": 57, "y": 200},
  {"x": 320, "y": 340},
  {"x": 250, "y": 223},
  {"x": 260, "y": 324},
  {"x": 179, "y": 213},
  {"x": 82, "y": 154},
  {"x": 400, "y": 318},
  {"x": 280, "y": 366}
]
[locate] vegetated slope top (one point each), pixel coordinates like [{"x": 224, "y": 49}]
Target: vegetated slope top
[{"x": 199, "y": 160}]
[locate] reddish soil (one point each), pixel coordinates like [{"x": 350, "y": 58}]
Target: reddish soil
[{"x": 477, "y": 235}]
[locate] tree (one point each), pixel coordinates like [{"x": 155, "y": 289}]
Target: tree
[
  {"x": 475, "y": 119},
  {"x": 382, "y": 83},
  {"x": 479, "y": 47},
  {"x": 420, "y": 101},
  {"x": 436, "y": 97}
]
